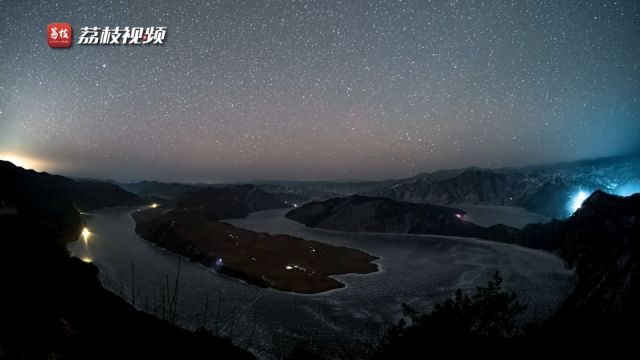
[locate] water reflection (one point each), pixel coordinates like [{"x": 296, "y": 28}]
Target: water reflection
[{"x": 416, "y": 270}]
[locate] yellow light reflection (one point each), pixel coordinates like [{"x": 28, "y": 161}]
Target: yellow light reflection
[
  {"x": 85, "y": 234},
  {"x": 154, "y": 205},
  {"x": 86, "y": 259}
]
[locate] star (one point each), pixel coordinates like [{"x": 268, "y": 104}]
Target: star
[{"x": 371, "y": 90}]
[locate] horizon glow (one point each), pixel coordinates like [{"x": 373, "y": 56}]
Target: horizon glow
[
  {"x": 245, "y": 91},
  {"x": 25, "y": 161},
  {"x": 628, "y": 189}
]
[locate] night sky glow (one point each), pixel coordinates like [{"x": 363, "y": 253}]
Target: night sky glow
[{"x": 246, "y": 90}]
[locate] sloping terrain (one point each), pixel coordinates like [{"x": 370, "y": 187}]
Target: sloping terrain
[
  {"x": 57, "y": 200},
  {"x": 369, "y": 214}
]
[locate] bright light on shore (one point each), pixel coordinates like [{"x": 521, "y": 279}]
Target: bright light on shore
[
  {"x": 85, "y": 234},
  {"x": 154, "y": 205},
  {"x": 86, "y": 259},
  {"x": 577, "y": 200}
]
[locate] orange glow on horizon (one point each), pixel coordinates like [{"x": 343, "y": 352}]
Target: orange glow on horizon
[{"x": 25, "y": 161}]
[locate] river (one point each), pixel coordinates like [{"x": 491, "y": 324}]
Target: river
[{"x": 417, "y": 270}]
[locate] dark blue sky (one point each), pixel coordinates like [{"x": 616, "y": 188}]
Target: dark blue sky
[{"x": 319, "y": 89}]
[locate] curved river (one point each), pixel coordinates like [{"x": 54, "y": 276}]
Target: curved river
[{"x": 417, "y": 270}]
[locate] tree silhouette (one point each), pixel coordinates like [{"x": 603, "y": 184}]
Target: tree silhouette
[{"x": 461, "y": 325}]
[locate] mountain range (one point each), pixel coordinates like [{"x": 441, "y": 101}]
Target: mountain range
[
  {"x": 546, "y": 189},
  {"x": 234, "y": 201},
  {"x": 40, "y": 212}
]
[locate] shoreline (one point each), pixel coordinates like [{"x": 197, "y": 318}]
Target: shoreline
[
  {"x": 411, "y": 235},
  {"x": 280, "y": 262}
]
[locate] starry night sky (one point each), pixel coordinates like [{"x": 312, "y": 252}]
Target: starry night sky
[{"x": 320, "y": 89}]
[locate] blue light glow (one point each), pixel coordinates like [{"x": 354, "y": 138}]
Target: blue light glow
[
  {"x": 628, "y": 189},
  {"x": 577, "y": 199}
]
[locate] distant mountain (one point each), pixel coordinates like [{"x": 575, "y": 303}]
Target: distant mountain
[
  {"x": 57, "y": 200},
  {"x": 158, "y": 189},
  {"x": 163, "y": 192},
  {"x": 369, "y": 214},
  {"x": 316, "y": 190},
  {"x": 544, "y": 189},
  {"x": 472, "y": 186},
  {"x": 235, "y": 201}
]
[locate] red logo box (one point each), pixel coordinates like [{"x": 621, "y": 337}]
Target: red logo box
[{"x": 59, "y": 35}]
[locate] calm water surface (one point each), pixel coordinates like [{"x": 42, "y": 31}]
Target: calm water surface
[{"x": 418, "y": 270}]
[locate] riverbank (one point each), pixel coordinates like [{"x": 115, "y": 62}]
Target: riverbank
[
  {"x": 82, "y": 320},
  {"x": 281, "y": 262},
  {"x": 417, "y": 270}
]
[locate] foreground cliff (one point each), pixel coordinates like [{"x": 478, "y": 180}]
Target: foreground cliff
[
  {"x": 53, "y": 305},
  {"x": 56, "y": 200},
  {"x": 602, "y": 242}
]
